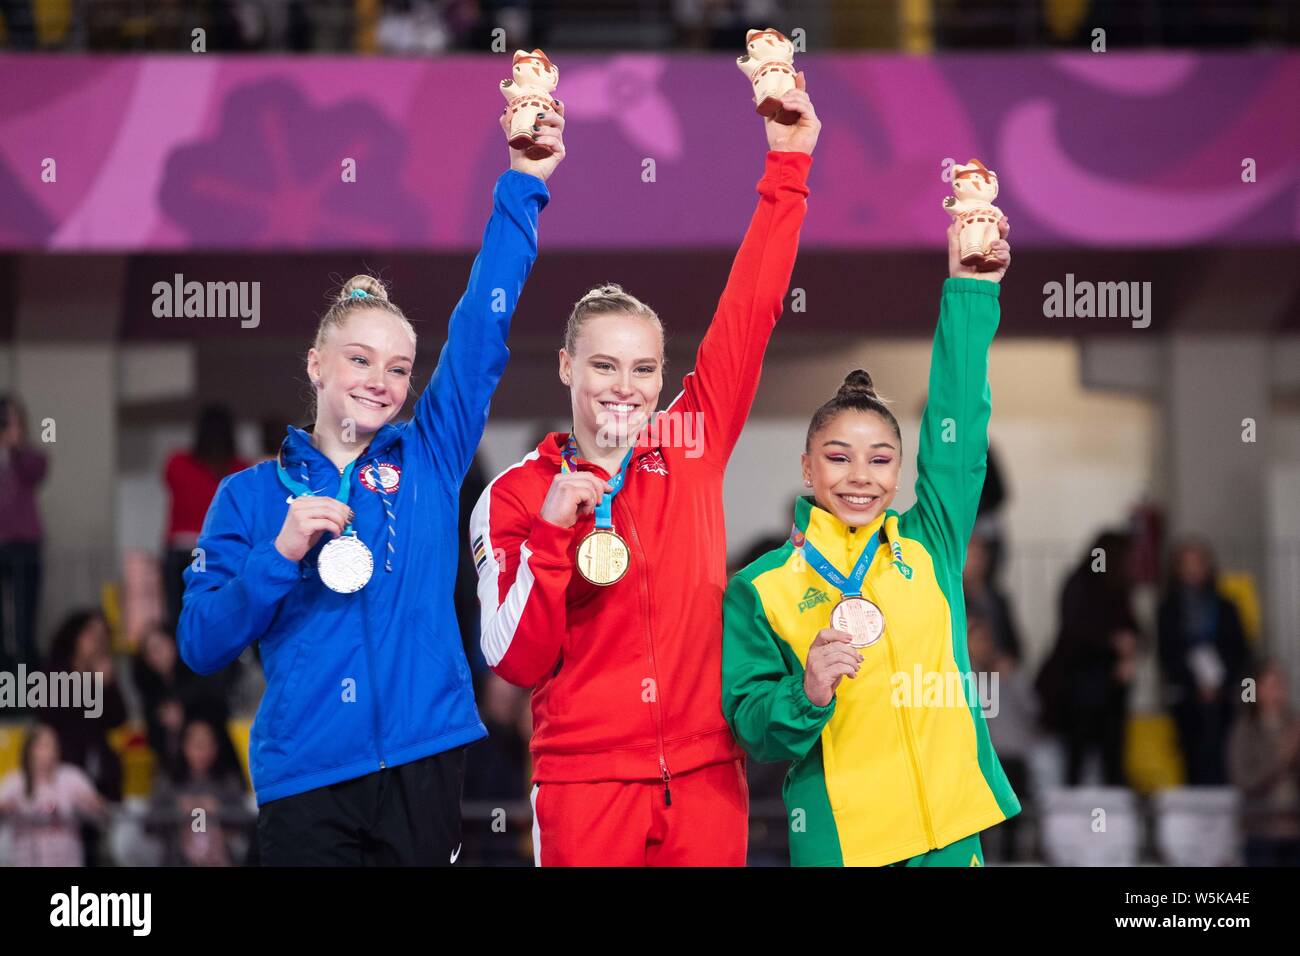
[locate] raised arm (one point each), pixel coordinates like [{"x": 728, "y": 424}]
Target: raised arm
[
  {"x": 730, "y": 358},
  {"x": 451, "y": 414},
  {"x": 954, "y": 441},
  {"x": 232, "y": 600}
]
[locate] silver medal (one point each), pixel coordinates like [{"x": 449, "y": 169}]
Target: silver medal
[{"x": 345, "y": 564}]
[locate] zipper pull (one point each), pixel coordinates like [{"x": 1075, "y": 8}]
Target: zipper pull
[{"x": 668, "y": 794}]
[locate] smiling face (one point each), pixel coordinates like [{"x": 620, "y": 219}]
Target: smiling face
[
  {"x": 614, "y": 377},
  {"x": 362, "y": 371},
  {"x": 853, "y": 463}
]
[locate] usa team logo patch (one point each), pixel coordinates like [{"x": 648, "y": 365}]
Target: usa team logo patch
[{"x": 384, "y": 478}]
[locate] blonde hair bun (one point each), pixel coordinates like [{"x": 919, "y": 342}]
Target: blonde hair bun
[{"x": 367, "y": 284}]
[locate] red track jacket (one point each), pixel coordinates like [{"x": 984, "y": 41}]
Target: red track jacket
[{"x": 627, "y": 679}]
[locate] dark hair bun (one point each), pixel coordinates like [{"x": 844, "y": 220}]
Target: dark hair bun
[{"x": 857, "y": 385}]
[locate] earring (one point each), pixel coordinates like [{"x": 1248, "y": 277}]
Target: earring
[{"x": 807, "y": 483}]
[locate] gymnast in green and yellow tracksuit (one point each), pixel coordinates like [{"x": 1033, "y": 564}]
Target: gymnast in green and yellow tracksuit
[{"x": 844, "y": 650}]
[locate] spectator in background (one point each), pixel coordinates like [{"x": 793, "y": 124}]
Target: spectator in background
[
  {"x": 173, "y": 695},
  {"x": 20, "y": 24},
  {"x": 22, "y": 469},
  {"x": 192, "y": 478},
  {"x": 412, "y": 26},
  {"x": 1264, "y": 763},
  {"x": 988, "y": 520},
  {"x": 45, "y": 802},
  {"x": 983, "y": 597},
  {"x": 497, "y": 767},
  {"x": 272, "y": 435},
  {"x": 206, "y": 781},
  {"x": 1084, "y": 686},
  {"x": 81, "y": 645},
  {"x": 721, "y": 24},
  {"x": 1203, "y": 655},
  {"x": 1012, "y": 715}
]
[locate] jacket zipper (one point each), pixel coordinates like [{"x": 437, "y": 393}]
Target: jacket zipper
[
  {"x": 913, "y": 761},
  {"x": 370, "y": 670},
  {"x": 656, "y": 712}
]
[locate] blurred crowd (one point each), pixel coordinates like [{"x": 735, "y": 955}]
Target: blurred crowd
[
  {"x": 423, "y": 27},
  {"x": 160, "y": 775}
]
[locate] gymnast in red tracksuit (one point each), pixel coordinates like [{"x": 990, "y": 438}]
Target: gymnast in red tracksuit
[{"x": 601, "y": 560}]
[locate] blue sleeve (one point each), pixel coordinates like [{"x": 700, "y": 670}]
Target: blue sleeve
[
  {"x": 233, "y": 587},
  {"x": 452, "y": 413}
]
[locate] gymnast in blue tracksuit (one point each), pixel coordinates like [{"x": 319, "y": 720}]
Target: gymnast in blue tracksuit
[{"x": 339, "y": 559}]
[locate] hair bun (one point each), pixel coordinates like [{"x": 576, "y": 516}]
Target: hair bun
[
  {"x": 857, "y": 384},
  {"x": 601, "y": 291},
  {"x": 367, "y": 284}
]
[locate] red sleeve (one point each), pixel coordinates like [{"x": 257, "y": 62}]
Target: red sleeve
[
  {"x": 172, "y": 471},
  {"x": 730, "y": 359},
  {"x": 524, "y": 569}
]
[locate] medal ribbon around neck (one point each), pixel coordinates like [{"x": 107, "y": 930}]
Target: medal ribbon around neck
[
  {"x": 300, "y": 488},
  {"x": 604, "y": 508},
  {"x": 344, "y": 564},
  {"x": 849, "y": 587}
]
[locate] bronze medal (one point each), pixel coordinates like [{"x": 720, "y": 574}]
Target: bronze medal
[
  {"x": 603, "y": 557},
  {"x": 859, "y": 618}
]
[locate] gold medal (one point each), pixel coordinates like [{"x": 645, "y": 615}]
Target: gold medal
[
  {"x": 860, "y": 618},
  {"x": 603, "y": 557}
]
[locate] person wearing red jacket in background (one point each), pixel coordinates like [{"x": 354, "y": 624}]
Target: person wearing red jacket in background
[
  {"x": 192, "y": 477},
  {"x": 633, "y": 762}
]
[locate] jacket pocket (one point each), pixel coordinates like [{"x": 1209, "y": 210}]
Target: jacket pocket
[
  {"x": 445, "y": 657},
  {"x": 284, "y": 693}
]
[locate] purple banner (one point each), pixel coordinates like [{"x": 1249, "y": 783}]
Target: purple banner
[{"x": 217, "y": 153}]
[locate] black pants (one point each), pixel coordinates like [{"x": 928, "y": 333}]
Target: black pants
[
  {"x": 1203, "y": 738},
  {"x": 1096, "y": 721},
  {"x": 20, "y": 597},
  {"x": 401, "y": 816}
]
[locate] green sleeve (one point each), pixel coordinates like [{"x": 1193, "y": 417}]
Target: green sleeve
[
  {"x": 953, "y": 452},
  {"x": 762, "y": 683}
]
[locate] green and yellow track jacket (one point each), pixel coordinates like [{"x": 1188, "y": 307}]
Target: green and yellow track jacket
[{"x": 900, "y": 761}]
